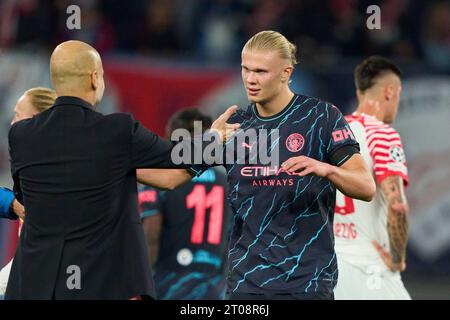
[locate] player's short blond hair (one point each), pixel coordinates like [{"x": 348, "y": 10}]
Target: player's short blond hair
[
  {"x": 271, "y": 40},
  {"x": 41, "y": 98}
]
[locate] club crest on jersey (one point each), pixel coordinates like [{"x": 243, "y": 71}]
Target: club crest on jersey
[
  {"x": 295, "y": 142},
  {"x": 397, "y": 153}
]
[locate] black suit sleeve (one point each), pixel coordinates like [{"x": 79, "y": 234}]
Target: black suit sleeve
[{"x": 148, "y": 150}]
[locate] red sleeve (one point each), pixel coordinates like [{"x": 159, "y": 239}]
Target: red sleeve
[{"x": 388, "y": 156}]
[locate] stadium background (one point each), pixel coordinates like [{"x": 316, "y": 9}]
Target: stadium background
[{"x": 162, "y": 55}]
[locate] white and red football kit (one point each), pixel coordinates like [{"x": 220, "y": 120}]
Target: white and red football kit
[{"x": 362, "y": 273}]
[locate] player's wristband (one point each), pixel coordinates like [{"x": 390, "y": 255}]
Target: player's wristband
[
  {"x": 6, "y": 199},
  {"x": 342, "y": 154},
  {"x": 197, "y": 170}
]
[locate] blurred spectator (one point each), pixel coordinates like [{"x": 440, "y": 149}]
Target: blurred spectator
[
  {"x": 436, "y": 36},
  {"x": 7, "y": 18},
  {"x": 267, "y": 14},
  {"x": 157, "y": 34},
  {"x": 126, "y": 19},
  {"x": 214, "y": 30},
  {"x": 392, "y": 39},
  {"x": 95, "y": 28},
  {"x": 221, "y": 30},
  {"x": 309, "y": 24},
  {"x": 348, "y": 26},
  {"x": 28, "y": 23},
  {"x": 188, "y": 24}
]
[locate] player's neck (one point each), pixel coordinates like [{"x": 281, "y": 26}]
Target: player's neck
[
  {"x": 361, "y": 111},
  {"x": 275, "y": 105},
  {"x": 370, "y": 109},
  {"x": 88, "y": 97}
]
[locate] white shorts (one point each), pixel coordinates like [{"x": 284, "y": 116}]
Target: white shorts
[
  {"x": 368, "y": 282},
  {"x": 4, "y": 275}
]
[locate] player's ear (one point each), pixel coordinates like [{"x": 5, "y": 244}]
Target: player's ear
[
  {"x": 287, "y": 72},
  {"x": 94, "y": 80},
  {"x": 389, "y": 93}
]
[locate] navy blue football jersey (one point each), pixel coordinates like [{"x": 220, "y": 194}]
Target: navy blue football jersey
[
  {"x": 194, "y": 237},
  {"x": 282, "y": 238}
]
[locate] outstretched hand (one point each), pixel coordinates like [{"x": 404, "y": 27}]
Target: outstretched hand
[{"x": 221, "y": 126}]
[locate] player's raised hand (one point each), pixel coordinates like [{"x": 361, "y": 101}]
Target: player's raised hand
[
  {"x": 387, "y": 258},
  {"x": 305, "y": 166},
  {"x": 221, "y": 126}
]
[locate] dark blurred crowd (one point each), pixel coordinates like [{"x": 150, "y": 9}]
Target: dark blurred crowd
[{"x": 215, "y": 30}]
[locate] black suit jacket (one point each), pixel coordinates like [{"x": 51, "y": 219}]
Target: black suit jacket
[{"x": 74, "y": 170}]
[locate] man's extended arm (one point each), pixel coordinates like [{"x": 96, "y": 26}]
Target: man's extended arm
[
  {"x": 165, "y": 179},
  {"x": 150, "y": 151}
]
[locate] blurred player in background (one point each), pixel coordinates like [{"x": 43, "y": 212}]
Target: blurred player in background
[
  {"x": 187, "y": 229},
  {"x": 32, "y": 102},
  {"x": 371, "y": 237}
]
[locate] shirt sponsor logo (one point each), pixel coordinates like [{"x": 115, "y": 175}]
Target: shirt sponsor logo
[
  {"x": 267, "y": 171},
  {"x": 264, "y": 171}
]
